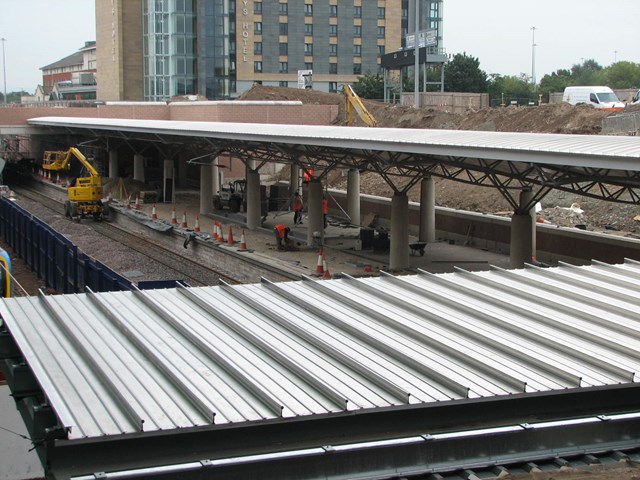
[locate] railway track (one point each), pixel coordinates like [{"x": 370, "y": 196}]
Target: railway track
[{"x": 192, "y": 272}]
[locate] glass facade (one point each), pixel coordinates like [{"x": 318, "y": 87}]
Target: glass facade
[
  {"x": 169, "y": 49},
  {"x": 219, "y": 54}
]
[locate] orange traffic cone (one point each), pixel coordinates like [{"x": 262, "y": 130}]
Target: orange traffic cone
[
  {"x": 137, "y": 204},
  {"x": 57, "y": 179},
  {"x": 230, "y": 241},
  {"x": 243, "y": 243},
  {"x": 220, "y": 234},
  {"x": 326, "y": 275},
  {"x": 197, "y": 227},
  {"x": 154, "y": 215},
  {"x": 215, "y": 231},
  {"x": 319, "y": 267},
  {"x": 184, "y": 220},
  {"x": 128, "y": 202},
  {"x": 174, "y": 220}
]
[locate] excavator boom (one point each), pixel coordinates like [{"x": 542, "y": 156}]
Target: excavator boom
[
  {"x": 58, "y": 160},
  {"x": 85, "y": 193},
  {"x": 353, "y": 103}
]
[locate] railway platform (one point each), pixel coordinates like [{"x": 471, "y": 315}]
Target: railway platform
[{"x": 344, "y": 248}]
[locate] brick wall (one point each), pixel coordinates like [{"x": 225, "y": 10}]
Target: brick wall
[{"x": 215, "y": 112}]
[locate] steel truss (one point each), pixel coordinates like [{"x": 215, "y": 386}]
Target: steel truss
[{"x": 508, "y": 177}]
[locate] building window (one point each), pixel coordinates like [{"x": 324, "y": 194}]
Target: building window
[
  {"x": 284, "y": 67},
  {"x": 308, "y": 28},
  {"x": 380, "y": 32},
  {"x": 283, "y": 8},
  {"x": 381, "y": 12},
  {"x": 284, "y": 29},
  {"x": 308, "y": 65},
  {"x": 357, "y": 50},
  {"x": 381, "y": 50},
  {"x": 257, "y": 67},
  {"x": 308, "y": 48},
  {"x": 357, "y": 30},
  {"x": 333, "y": 49},
  {"x": 357, "y": 69},
  {"x": 357, "y": 12},
  {"x": 257, "y": 48},
  {"x": 283, "y": 84},
  {"x": 333, "y": 68},
  {"x": 284, "y": 48},
  {"x": 333, "y": 30},
  {"x": 333, "y": 87},
  {"x": 257, "y": 28},
  {"x": 308, "y": 10},
  {"x": 333, "y": 10},
  {"x": 257, "y": 7}
]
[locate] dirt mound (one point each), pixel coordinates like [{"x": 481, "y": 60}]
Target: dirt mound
[{"x": 548, "y": 118}]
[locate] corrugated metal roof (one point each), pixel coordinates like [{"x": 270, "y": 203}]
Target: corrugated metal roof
[
  {"x": 120, "y": 362},
  {"x": 594, "y": 151}
]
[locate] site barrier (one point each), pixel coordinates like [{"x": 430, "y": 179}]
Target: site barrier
[{"x": 52, "y": 256}]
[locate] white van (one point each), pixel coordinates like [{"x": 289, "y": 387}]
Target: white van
[{"x": 599, "y": 97}]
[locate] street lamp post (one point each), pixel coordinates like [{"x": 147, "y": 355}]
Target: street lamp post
[
  {"x": 4, "y": 70},
  {"x": 533, "y": 56}
]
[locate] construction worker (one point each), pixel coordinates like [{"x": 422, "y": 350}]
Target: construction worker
[
  {"x": 297, "y": 206},
  {"x": 282, "y": 235},
  {"x": 325, "y": 210},
  {"x": 307, "y": 175}
]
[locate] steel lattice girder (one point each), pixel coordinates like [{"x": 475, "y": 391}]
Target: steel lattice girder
[{"x": 509, "y": 177}]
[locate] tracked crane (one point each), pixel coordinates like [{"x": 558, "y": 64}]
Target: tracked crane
[{"x": 85, "y": 193}]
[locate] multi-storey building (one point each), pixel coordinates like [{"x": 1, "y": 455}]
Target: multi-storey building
[{"x": 157, "y": 49}]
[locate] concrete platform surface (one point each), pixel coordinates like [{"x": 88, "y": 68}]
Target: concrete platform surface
[{"x": 340, "y": 243}]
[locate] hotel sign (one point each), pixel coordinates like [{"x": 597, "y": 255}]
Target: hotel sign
[{"x": 246, "y": 26}]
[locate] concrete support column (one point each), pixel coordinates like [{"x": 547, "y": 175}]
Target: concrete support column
[
  {"x": 427, "y": 211},
  {"x": 523, "y": 223},
  {"x": 399, "y": 247},
  {"x": 253, "y": 199},
  {"x": 215, "y": 173},
  {"x": 113, "y": 164},
  {"x": 294, "y": 180},
  {"x": 314, "y": 210},
  {"x": 138, "y": 167},
  {"x": 353, "y": 196},
  {"x": 206, "y": 188},
  {"x": 168, "y": 184}
]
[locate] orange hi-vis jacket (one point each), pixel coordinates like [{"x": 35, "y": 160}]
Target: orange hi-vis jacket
[{"x": 281, "y": 229}]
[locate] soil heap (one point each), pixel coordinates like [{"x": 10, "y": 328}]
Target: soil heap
[{"x": 562, "y": 118}]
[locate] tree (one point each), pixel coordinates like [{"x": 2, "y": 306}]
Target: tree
[
  {"x": 622, "y": 75},
  {"x": 463, "y": 74},
  {"x": 556, "y": 82},
  {"x": 517, "y": 88},
  {"x": 370, "y": 86},
  {"x": 587, "y": 73}
]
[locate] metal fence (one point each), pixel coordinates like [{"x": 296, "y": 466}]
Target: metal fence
[{"x": 52, "y": 256}]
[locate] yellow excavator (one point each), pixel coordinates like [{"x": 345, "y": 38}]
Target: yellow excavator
[
  {"x": 353, "y": 103},
  {"x": 85, "y": 192}
]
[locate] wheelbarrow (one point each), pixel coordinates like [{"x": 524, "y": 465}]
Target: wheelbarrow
[{"x": 417, "y": 248}]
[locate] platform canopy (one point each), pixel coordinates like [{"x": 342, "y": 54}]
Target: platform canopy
[
  {"x": 156, "y": 378},
  {"x": 591, "y": 165}
]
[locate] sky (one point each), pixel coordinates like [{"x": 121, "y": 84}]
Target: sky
[{"x": 497, "y": 32}]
